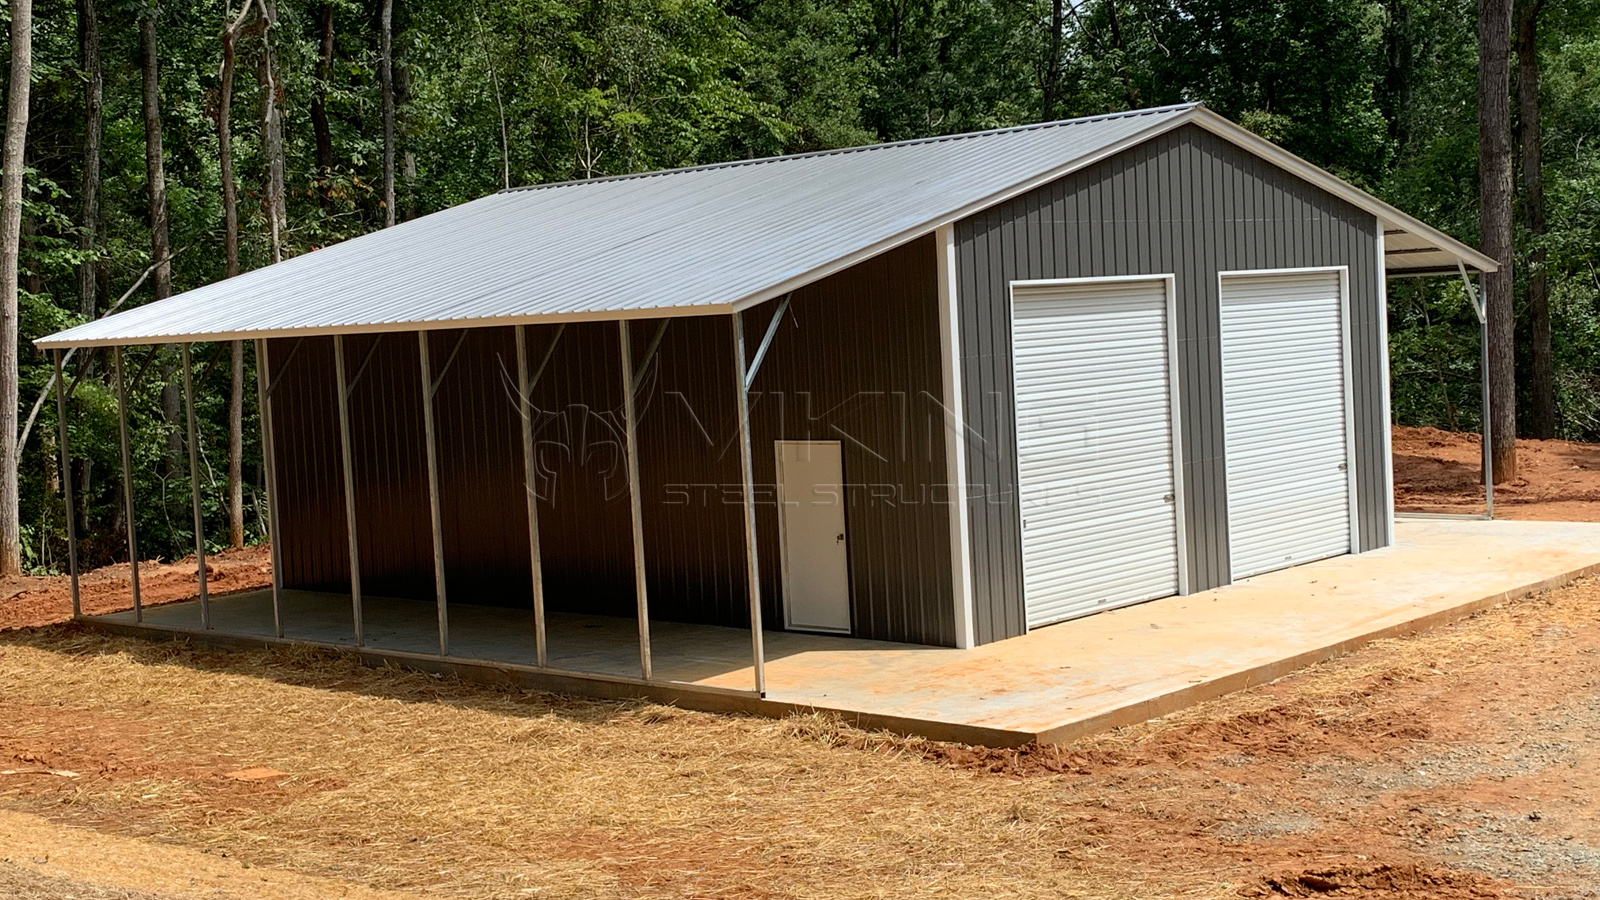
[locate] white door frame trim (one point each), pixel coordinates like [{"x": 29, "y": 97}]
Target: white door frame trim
[
  {"x": 1353, "y": 501},
  {"x": 783, "y": 540},
  {"x": 1174, "y": 400},
  {"x": 955, "y": 439}
]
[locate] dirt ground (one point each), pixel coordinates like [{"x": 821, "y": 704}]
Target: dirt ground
[
  {"x": 1463, "y": 764},
  {"x": 1439, "y": 471},
  {"x": 41, "y": 600}
]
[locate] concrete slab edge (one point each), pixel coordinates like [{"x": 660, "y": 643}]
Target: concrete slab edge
[
  {"x": 717, "y": 701},
  {"x": 679, "y": 695},
  {"x": 1165, "y": 704}
]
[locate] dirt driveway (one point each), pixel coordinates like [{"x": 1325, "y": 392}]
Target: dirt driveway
[{"x": 1459, "y": 764}]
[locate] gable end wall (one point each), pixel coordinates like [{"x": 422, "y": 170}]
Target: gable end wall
[{"x": 1186, "y": 203}]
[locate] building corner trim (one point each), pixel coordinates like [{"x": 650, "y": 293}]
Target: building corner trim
[
  {"x": 1383, "y": 385},
  {"x": 955, "y": 445}
]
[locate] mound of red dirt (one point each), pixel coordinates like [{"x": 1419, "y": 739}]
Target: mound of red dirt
[
  {"x": 1440, "y": 471},
  {"x": 1389, "y": 882}
]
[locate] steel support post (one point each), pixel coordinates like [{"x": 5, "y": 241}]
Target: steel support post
[
  {"x": 428, "y": 389},
  {"x": 641, "y": 591},
  {"x": 530, "y": 487},
  {"x": 349, "y": 485},
  {"x": 758, "y": 653},
  {"x": 1488, "y": 427},
  {"x": 264, "y": 385},
  {"x": 66, "y": 487},
  {"x": 127, "y": 485},
  {"x": 1480, "y": 305},
  {"x": 194, "y": 489}
]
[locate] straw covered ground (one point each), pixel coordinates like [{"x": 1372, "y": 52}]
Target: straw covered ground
[{"x": 1459, "y": 764}]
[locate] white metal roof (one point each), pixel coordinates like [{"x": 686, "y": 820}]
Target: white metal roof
[{"x": 692, "y": 241}]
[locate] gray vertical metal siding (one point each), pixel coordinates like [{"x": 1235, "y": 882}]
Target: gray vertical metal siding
[{"x": 1193, "y": 205}]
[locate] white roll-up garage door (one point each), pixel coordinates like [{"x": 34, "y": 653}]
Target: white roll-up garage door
[
  {"x": 1095, "y": 446},
  {"x": 1284, "y": 388}
]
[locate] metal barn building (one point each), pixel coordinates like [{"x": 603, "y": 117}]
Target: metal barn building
[{"x": 936, "y": 392}]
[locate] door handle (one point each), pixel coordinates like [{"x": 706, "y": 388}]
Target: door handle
[{"x": 839, "y": 538}]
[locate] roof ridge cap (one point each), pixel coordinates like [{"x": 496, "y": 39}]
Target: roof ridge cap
[{"x": 864, "y": 148}]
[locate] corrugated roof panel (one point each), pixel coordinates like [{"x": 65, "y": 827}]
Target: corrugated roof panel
[
  {"x": 681, "y": 242},
  {"x": 684, "y": 241}
]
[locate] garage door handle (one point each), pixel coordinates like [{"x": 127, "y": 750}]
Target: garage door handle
[
  {"x": 1344, "y": 467},
  {"x": 1170, "y": 498}
]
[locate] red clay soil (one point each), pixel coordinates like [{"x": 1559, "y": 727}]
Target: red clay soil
[
  {"x": 1439, "y": 471},
  {"x": 34, "y": 600}
]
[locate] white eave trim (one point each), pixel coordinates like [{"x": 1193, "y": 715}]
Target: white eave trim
[{"x": 665, "y": 312}]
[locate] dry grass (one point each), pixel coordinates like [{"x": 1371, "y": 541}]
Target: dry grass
[
  {"x": 402, "y": 781},
  {"x": 18, "y": 883}
]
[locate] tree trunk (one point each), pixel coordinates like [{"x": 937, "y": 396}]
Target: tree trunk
[
  {"x": 1542, "y": 412},
  {"x": 1399, "y": 68},
  {"x": 386, "y": 85},
  {"x": 155, "y": 171},
  {"x": 499, "y": 105},
  {"x": 1114, "y": 24},
  {"x": 1050, "y": 89},
  {"x": 156, "y": 180},
  {"x": 93, "y": 130},
  {"x": 1495, "y": 179},
  {"x": 230, "y": 188},
  {"x": 319, "y": 96},
  {"x": 230, "y": 219},
  {"x": 16, "y": 142},
  {"x": 272, "y": 133}
]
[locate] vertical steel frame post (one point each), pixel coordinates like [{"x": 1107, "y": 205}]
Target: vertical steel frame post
[
  {"x": 758, "y": 652},
  {"x": 127, "y": 484},
  {"x": 1488, "y": 429},
  {"x": 349, "y": 485},
  {"x": 433, "y": 492},
  {"x": 66, "y": 486},
  {"x": 1480, "y": 305},
  {"x": 264, "y": 385},
  {"x": 194, "y": 489},
  {"x": 630, "y": 436},
  {"x": 530, "y": 487}
]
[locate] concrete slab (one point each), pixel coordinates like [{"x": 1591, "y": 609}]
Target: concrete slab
[{"x": 1054, "y": 684}]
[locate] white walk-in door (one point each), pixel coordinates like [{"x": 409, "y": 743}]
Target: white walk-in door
[
  {"x": 1097, "y": 485},
  {"x": 1284, "y": 392},
  {"x": 816, "y": 576}
]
